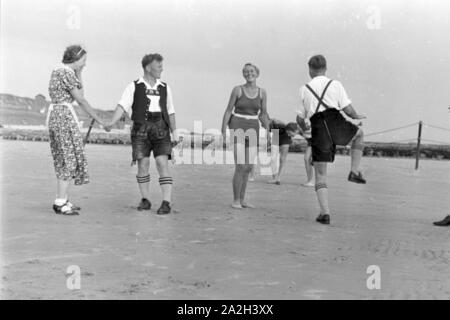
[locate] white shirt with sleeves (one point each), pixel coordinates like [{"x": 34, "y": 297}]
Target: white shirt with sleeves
[
  {"x": 126, "y": 101},
  {"x": 335, "y": 96}
]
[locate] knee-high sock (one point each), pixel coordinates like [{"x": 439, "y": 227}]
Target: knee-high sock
[
  {"x": 144, "y": 185},
  {"x": 322, "y": 197},
  {"x": 357, "y": 152},
  {"x": 308, "y": 166},
  {"x": 356, "y": 156},
  {"x": 166, "y": 187}
]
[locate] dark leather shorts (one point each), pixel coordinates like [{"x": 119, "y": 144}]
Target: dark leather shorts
[
  {"x": 284, "y": 139},
  {"x": 150, "y": 136},
  {"x": 308, "y": 141},
  {"x": 328, "y": 130}
]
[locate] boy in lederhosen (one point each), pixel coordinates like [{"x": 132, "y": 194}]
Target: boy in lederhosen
[
  {"x": 149, "y": 101},
  {"x": 280, "y": 143},
  {"x": 322, "y": 101}
]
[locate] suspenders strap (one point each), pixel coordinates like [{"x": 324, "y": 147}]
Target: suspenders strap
[{"x": 320, "y": 99}]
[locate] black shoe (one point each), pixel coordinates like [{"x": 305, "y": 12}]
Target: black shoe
[
  {"x": 165, "y": 208},
  {"x": 323, "y": 218},
  {"x": 144, "y": 205},
  {"x": 443, "y": 223},
  {"x": 356, "y": 178},
  {"x": 65, "y": 210}
]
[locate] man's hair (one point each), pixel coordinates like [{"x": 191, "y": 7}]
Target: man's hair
[
  {"x": 317, "y": 62},
  {"x": 149, "y": 58},
  {"x": 292, "y": 126},
  {"x": 73, "y": 53}
]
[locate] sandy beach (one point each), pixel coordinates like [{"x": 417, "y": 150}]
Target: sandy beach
[{"x": 205, "y": 249}]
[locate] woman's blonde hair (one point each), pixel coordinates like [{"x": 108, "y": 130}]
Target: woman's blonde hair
[{"x": 248, "y": 64}]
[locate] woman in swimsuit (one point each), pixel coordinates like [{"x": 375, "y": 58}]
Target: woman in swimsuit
[{"x": 241, "y": 116}]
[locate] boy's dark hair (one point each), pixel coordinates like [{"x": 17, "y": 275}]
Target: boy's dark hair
[
  {"x": 292, "y": 126},
  {"x": 149, "y": 58},
  {"x": 73, "y": 54},
  {"x": 317, "y": 62}
]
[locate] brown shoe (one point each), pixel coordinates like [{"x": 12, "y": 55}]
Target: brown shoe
[
  {"x": 323, "y": 218},
  {"x": 144, "y": 205},
  {"x": 165, "y": 208},
  {"x": 356, "y": 177}
]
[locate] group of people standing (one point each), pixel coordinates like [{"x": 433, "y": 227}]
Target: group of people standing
[
  {"x": 148, "y": 102},
  {"x": 319, "y": 120}
]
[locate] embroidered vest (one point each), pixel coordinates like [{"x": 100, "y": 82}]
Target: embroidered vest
[{"x": 141, "y": 102}]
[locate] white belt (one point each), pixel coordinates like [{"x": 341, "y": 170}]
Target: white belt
[
  {"x": 245, "y": 116},
  {"x": 68, "y": 105}
]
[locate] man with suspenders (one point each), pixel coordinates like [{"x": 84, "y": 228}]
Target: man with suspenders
[
  {"x": 322, "y": 101},
  {"x": 149, "y": 102}
]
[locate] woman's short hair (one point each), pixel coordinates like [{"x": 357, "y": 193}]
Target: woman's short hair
[
  {"x": 251, "y": 65},
  {"x": 73, "y": 53},
  {"x": 149, "y": 58}
]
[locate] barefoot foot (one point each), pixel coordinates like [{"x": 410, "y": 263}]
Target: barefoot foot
[
  {"x": 247, "y": 205},
  {"x": 308, "y": 184},
  {"x": 236, "y": 206}
]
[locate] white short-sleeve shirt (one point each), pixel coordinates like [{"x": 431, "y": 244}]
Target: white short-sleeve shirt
[
  {"x": 126, "y": 101},
  {"x": 335, "y": 96}
]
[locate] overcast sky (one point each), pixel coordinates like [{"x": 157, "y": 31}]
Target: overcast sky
[{"x": 393, "y": 57}]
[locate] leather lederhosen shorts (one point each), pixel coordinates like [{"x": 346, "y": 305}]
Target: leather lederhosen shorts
[
  {"x": 329, "y": 129},
  {"x": 308, "y": 141},
  {"x": 284, "y": 139},
  {"x": 152, "y": 135}
]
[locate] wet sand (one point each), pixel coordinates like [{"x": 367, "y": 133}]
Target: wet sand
[{"x": 206, "y": 250}]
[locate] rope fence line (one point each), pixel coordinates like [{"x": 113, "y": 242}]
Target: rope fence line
[
  {"x": 393, "y": 129},
  {"x": 405, "y": 140},
  {"x": 408, "y": 126},
  {"x": 418, "y": 140},
  {"x": 414, "y": 140},
  {"x": 436, "y": 127}
]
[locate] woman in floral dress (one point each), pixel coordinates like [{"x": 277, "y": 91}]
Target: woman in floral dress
[{"x": 66, "y": 141}]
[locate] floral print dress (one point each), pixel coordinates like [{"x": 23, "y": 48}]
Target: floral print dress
[{"x": 66, "y": 141}]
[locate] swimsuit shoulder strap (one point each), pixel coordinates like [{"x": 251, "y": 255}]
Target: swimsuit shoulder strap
[{"x": 241, "y": 90}]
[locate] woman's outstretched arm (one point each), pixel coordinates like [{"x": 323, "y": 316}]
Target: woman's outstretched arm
[
  {"x": 77, "y": 94},
  {"x": 229, "y": 111},
  {"x": 118, "y": 113},
  {"x": 264, "y": 114}
]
